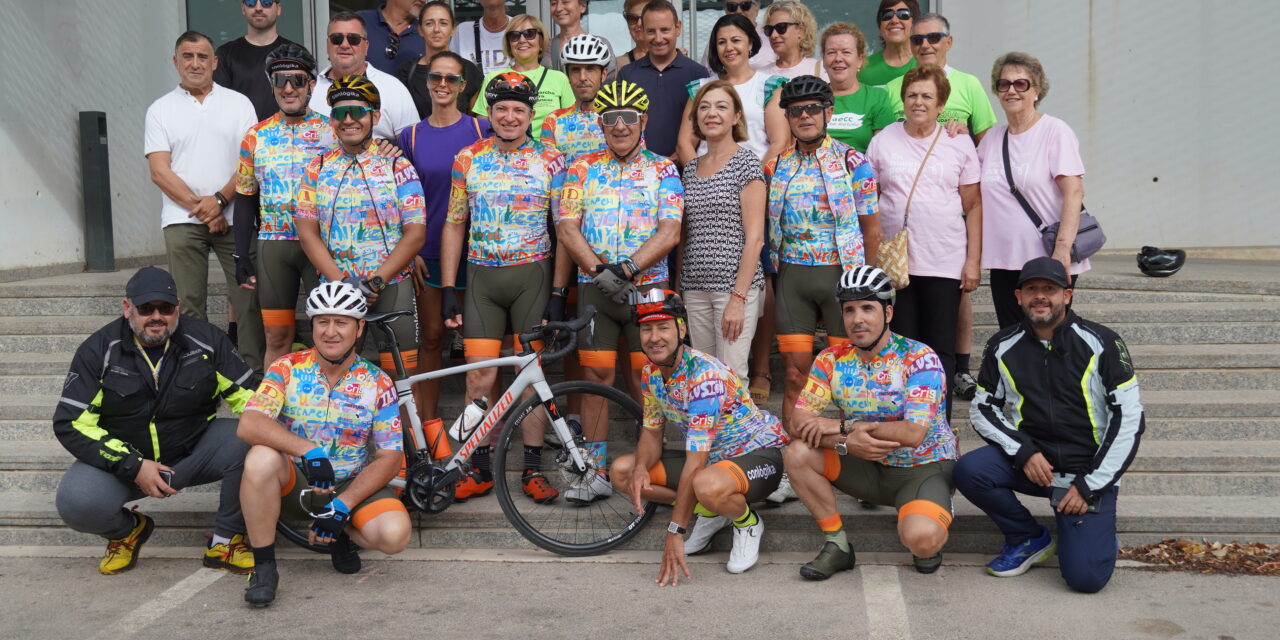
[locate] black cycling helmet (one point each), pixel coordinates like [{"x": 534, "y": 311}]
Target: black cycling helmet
[
  {"x": 290, "y": 57},
  {"x": 865, "y": 282},
  {"x": 806, "y": 88},
  {"x": 1161, "y": 263},
  {"x": 511, "y": 86},
  {"x": 355, "y": 87}
]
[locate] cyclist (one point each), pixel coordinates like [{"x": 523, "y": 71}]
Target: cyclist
[
  {"x": 575, "y": 131},
  {"x": 325, "y": 439},
  {"x": 505, "y": 188},
  {"x": 619, "y": 217},
  {"x": 360, "y": 215},
  {"x": 890, "y": 391},
  {"x": 732, "y": 453},
  {"x": 273, "y": 156}
]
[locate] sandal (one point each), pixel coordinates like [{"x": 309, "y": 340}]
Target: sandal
[{"x": 760, "y": 393}]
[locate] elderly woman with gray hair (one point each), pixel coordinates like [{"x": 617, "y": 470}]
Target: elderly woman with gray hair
[{"x": 1044, "y": 160}]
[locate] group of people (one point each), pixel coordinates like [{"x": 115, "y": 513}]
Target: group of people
[{"x": 488, "y": 177}]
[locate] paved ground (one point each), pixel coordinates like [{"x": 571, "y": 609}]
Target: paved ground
[{"x": 51, "y": 592}]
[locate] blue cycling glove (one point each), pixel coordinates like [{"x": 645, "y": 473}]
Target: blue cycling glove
[
  {"x": 331, "y": 525},
  {"x": 318, "y": 468}
]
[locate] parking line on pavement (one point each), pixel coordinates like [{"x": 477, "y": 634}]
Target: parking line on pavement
[
  {"x": 886, "y": 609},
  {"x": 162, "y": 604}
]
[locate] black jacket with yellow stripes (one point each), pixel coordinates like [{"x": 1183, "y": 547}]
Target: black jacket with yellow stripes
[{"x": 113, "y": 414}]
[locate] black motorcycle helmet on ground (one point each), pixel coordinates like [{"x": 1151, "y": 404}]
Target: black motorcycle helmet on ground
[{"x": 1161, "y": 263}]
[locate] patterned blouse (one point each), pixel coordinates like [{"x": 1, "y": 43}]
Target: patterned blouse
[{"x": 713, "y": 224}]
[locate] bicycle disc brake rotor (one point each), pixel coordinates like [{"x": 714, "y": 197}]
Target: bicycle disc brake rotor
[
  {"x": 426, "y": 491},
  {"x": 569, "y": 471}
]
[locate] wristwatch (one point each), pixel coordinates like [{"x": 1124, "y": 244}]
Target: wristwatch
[
  {"x": 377, "y": 284},
  {"x": 841, "y": 447},
  {"x": 675, "y": 528}
]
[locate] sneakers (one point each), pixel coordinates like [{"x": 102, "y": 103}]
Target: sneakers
[
  {"x": 234, "y": 556},
  {"x": 784, "y": 492},
  {"x": 966, "y": 387},
  {"x": 927, "y": 565},
  {"x": 830, "y": 561},
  {"x": 1014, "y": 560},
  {"x": 553, "y": 440},
  {"x": 473, "y": 485},
  {"x": 703, "y": 530},
  {"x": 598, "y": 489},
  {"x": 535, "y": 485},
  {"x": 262, "y": 585},
  {"x": 746, "y": 547},
  {"x": 344, "y": 554},
  {"x": 122, "y": 554}
]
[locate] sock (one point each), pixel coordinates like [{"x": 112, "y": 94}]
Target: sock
[
  {"x": 264, "y": 555},
  {"x": 703, "y": 511},
  {"x": 532, "y": 458},
  {"x": 833, "y": 527},
  {"x": 839, "y": 539},
  {"x": 599, "y": 451},
  {"x": 217, "y": 540},
  {"x": 747, "y": 519},
  {"x": 480, "y": 462},
  {"x": 962, "y": 363}
]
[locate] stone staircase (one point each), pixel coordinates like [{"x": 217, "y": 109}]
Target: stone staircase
[{"x": 1206, "y": 344}]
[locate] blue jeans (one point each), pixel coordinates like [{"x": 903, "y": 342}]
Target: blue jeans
[{"x": 1086, "y": 542}]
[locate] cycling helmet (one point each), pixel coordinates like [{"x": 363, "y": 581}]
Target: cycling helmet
[
  {"x": 865, "y": 282},
  {"x": 355, "y": 87},
  {"x": 656, "y": 304},
  {"x": 290, "y": 57},
  {"x": 1161, "y": 263},
  {"x": 511, "y": 86},
  {"x": 586, "y": 49},
  {"x": 621, "y": 94},
  {"x": 337, "y": 299},
  {"x": 806, "y": 88}
]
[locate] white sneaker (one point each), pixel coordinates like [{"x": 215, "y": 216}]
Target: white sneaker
[
  {"x": 700, "y": 534},
  {"x": 746, "y": 547},
  {"x": 784, "y": 492},
  {"x": 598, "y": 489}
]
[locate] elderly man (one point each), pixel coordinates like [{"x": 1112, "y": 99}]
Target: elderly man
[
  {"x": 347, "y": 44},
  {"x": 137, "y": 413},
  {"x": 750, "y": 9},
  {"x": 393, "y": 33},
  {"x": 192, "y": 143},
  {"x": 240, "y": 61}
]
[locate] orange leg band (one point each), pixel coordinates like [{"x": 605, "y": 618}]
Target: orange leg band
[
  {"x": 739, "y": 476},
  {"x": 795, "y": 343},
  {"x": 928, "y": 509},
  {"x": 481, "y": 347},
  {"x": 830, "y": 464},
  {"x": 602, "y": 359},
  {"x": 364, "y": 514},
  {"x": 279, "y": 317},
  {"x": 658, "y": 474},
  {"x": 638, "y": 360}
]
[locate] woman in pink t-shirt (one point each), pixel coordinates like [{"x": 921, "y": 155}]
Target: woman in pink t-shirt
[
  {"x": 945, "y": 216},
  {"x": 1044, "y": 156}
]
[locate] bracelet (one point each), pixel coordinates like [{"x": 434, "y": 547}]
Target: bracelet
[
  {"x": 563, "y": 292},
  {"x": 844, "y": 427},
  {"x": 738, "y": 294},
  {"x": 222, "y": 202}
]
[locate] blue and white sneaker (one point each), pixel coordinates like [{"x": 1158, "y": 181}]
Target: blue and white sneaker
[
  {"x": 1015, "y": 560},
  {"x": 552, "y": 440}
]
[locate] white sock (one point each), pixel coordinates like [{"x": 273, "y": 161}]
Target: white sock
[{"x": 217, "y": 540}]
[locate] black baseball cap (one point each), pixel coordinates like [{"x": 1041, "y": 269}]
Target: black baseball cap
[
  {"x": 151, "y": 284},
  {"x": 1045, "y": 268}
]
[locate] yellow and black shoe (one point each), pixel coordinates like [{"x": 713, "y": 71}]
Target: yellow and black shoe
[
  {"x": 234, "y": 556},
  {"x": 122, "y": 554}
]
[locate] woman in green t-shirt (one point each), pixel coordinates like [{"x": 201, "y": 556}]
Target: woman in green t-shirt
[
  {"x": 895, "y": 60},
  {"x": 860, "y": 110},
  {"x": 525, "y": 43}
]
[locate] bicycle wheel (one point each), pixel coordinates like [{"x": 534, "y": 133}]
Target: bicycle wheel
[
  {"x": 562, "y": 526},
  {"x": 297, "y": 532}
]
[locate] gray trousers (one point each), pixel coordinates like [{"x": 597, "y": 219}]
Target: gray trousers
[{"x": 91, "y": 500}]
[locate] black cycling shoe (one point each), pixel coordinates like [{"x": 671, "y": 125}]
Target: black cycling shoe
[
  {"x": 263, "y": 582},
  {"x": 830, "y": 561},
  {"x": 927, "y": 565},
  {"x": 866, "y": 504},
  {"x": 345, "y": 555}
]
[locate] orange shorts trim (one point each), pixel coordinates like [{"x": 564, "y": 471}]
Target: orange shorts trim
[
  {"x": 535, "y": 345},
  {"x": 739, "y": 476},
  {"x": 928, "y": 509},
  {"x": 481, "y": 347},
  {"x": 368, "y": 512},
  {"x": 293, "y": 479},
  {"x": 835, "y": 340},
  {"x": 603, "y": 359},
  {"x": 830, "y": 464},
  {"x": 639, "y": 360},
  {"x": 831, "y": 522},
  {"x": 795, "y": 343},
  {"x": 658, "y": 474},
  {"x": 388, "y": 363},
  {"x": 279, "y": 317}
]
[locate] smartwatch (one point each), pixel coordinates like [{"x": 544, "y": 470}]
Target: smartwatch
[
  {"x": 842, "y": 448},
  {"x": 377, "y": 284},
  {"x": 675, "y": 528}
]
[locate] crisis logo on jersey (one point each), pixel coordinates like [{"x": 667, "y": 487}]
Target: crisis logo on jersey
[{"x": 922, "y": 394}]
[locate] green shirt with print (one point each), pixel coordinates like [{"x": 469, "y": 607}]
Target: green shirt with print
[
  {"x": 968, "y": 102},
  {"x": 859, "y": 115}
]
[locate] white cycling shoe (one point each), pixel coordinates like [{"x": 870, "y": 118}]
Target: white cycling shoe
[
  {"x": 746, "y": 547},
  {"x": 598, "y": 489},
  {"x": 703, "y": 530},
  {"x": 784, "y": 492}
]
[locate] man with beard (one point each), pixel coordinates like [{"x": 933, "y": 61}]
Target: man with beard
[
  {"x": 1058, "y": 401},
  {"x": 240, "y": 61},
  {"x": 137, "y": 412}
]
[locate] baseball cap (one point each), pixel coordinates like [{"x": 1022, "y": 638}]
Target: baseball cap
[
  {"x": 1045, "y": 268},
  {"x": 151, "y": 284}
]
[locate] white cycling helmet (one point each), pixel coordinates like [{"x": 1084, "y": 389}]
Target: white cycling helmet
[
  {"x": 338, "y": 299},
  {"x": 865, "y": 282},
  {"x": 586, "y": 49}
]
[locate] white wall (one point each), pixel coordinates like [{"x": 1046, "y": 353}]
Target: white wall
[
  {"x": 62, "y": 57},
  {"x": 1173, "y": 101}
]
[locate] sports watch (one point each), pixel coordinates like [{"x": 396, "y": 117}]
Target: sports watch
[
  {"x": 675, "y": 528},
  {"x": 842, "y": 448},
  {"x": 377, "y": 284}
]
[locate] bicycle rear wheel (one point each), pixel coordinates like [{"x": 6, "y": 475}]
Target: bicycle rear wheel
[
  {"x": 561, "y": 526},
  {"x": 298, "y": 532}
]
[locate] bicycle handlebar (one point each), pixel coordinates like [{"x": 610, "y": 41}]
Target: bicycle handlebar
[{"x": 553, "y": 332}]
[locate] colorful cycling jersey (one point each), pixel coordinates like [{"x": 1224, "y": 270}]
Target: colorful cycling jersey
[
  {"x": 273, "y": 156},
  {"x": 508, "y": 197},
  {"x": 707, "y": 401},
  {"x": 362, "y": 203},
  {"x": 814, "y": 203},
  {"x": 903, "y": 382},
  {"x": 619, "y": 206},
  {"x": 573, "y": 132},
  {"x": 359, "y": 410}
]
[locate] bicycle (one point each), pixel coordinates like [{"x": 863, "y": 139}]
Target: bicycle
[{"x": 427, "y": 485}]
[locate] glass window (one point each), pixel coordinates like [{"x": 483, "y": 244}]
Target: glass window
[{"x": 222, "y": 21}]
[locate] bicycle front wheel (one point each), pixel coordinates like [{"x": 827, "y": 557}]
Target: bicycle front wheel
[{"x": 586, "y": 516}]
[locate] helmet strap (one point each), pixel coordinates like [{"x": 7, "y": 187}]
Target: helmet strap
[
  {"x": 820, "y": 136},
  {"x": 622, "y": 157}
]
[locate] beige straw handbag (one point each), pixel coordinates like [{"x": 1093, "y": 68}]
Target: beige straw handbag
[{"x": 892, "y": 257}]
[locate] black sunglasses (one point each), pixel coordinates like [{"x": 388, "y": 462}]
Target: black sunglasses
[
  {"x": 889, "y": 14},
  {"x": 298, "y": 81},
  {"x": 266, "y": 4},
  {"x": 734, "y": 7},
  {"x": 781, "y": 28},
  {"x": 165, "y": 308},
  {"x": 528, "y": 34},
  {"x": 1021, "y": 85},
  {"x": 796, "y": 110},
  {"x": 632, "y": 18},
  {"x": 933, "y": 38},
  {"x": 353, "y": 39},
  {"x": 393, "y": 45}
]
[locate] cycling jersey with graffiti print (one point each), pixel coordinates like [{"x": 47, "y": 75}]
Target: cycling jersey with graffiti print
[
  {"x": 273, "y": 156},
  {"x": 573, "y": 132}
]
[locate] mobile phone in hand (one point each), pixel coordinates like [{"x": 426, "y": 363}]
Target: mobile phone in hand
[
  {"x": 1061, "y": 492},
  {"x": 167, "y": 476}
]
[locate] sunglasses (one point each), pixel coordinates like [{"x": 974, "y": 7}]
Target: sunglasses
[
  {"x": 435, "y": 77},
  {"x": 353, "y": 39},
  {"x": 734, "y": 7},
  {"x": 393, "y": 45},
  {"x": 528, "y": 34},
  {"x": 165, "y": 308},
  {"x": 796, "y": 110},
  {"x": 933, "y": 38},
  {"x": 901, "y": 14},
  {"x": 266, "y": 4},
  {"x": 353, "y": 111},
  {"x": 632, "y": 18},
  {"x": 296, "y": 80},
  {"x": 1020, "y": 85},
  {"x": 629, "y": 117},
  {"x": 781, "y": 28}
]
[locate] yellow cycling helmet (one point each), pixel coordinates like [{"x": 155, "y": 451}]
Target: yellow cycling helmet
[
  {"x": 356, "y": 87},
  {"x": 621, "y": 94}
]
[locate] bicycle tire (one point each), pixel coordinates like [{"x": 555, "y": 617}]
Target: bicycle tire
[
  {"x": 562, "y": 527},
  {"x": 299, "y": 536}
]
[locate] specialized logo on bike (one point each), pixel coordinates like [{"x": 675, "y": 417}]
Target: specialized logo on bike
[
  {"x": 759, "y": 471},
  {"x": 490, "y": 420}
]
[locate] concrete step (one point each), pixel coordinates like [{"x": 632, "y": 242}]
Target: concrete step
[
  {"x": 1181, "y": 333},
  {"x": 1204, "y": 355},
  {"x": 1160, "y": 313}
]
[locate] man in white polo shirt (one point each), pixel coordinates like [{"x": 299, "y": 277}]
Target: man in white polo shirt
[
  {"x": 192, "y": 144},
  {"x": 347, "y": 44}
]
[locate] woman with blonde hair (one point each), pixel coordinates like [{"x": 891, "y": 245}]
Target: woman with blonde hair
[
  {"x": 793, "y": 34},
  {"x": 526, "y": 42}
]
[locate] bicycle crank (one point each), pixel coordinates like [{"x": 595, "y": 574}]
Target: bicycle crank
[{"x": 426, "y": 488}]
